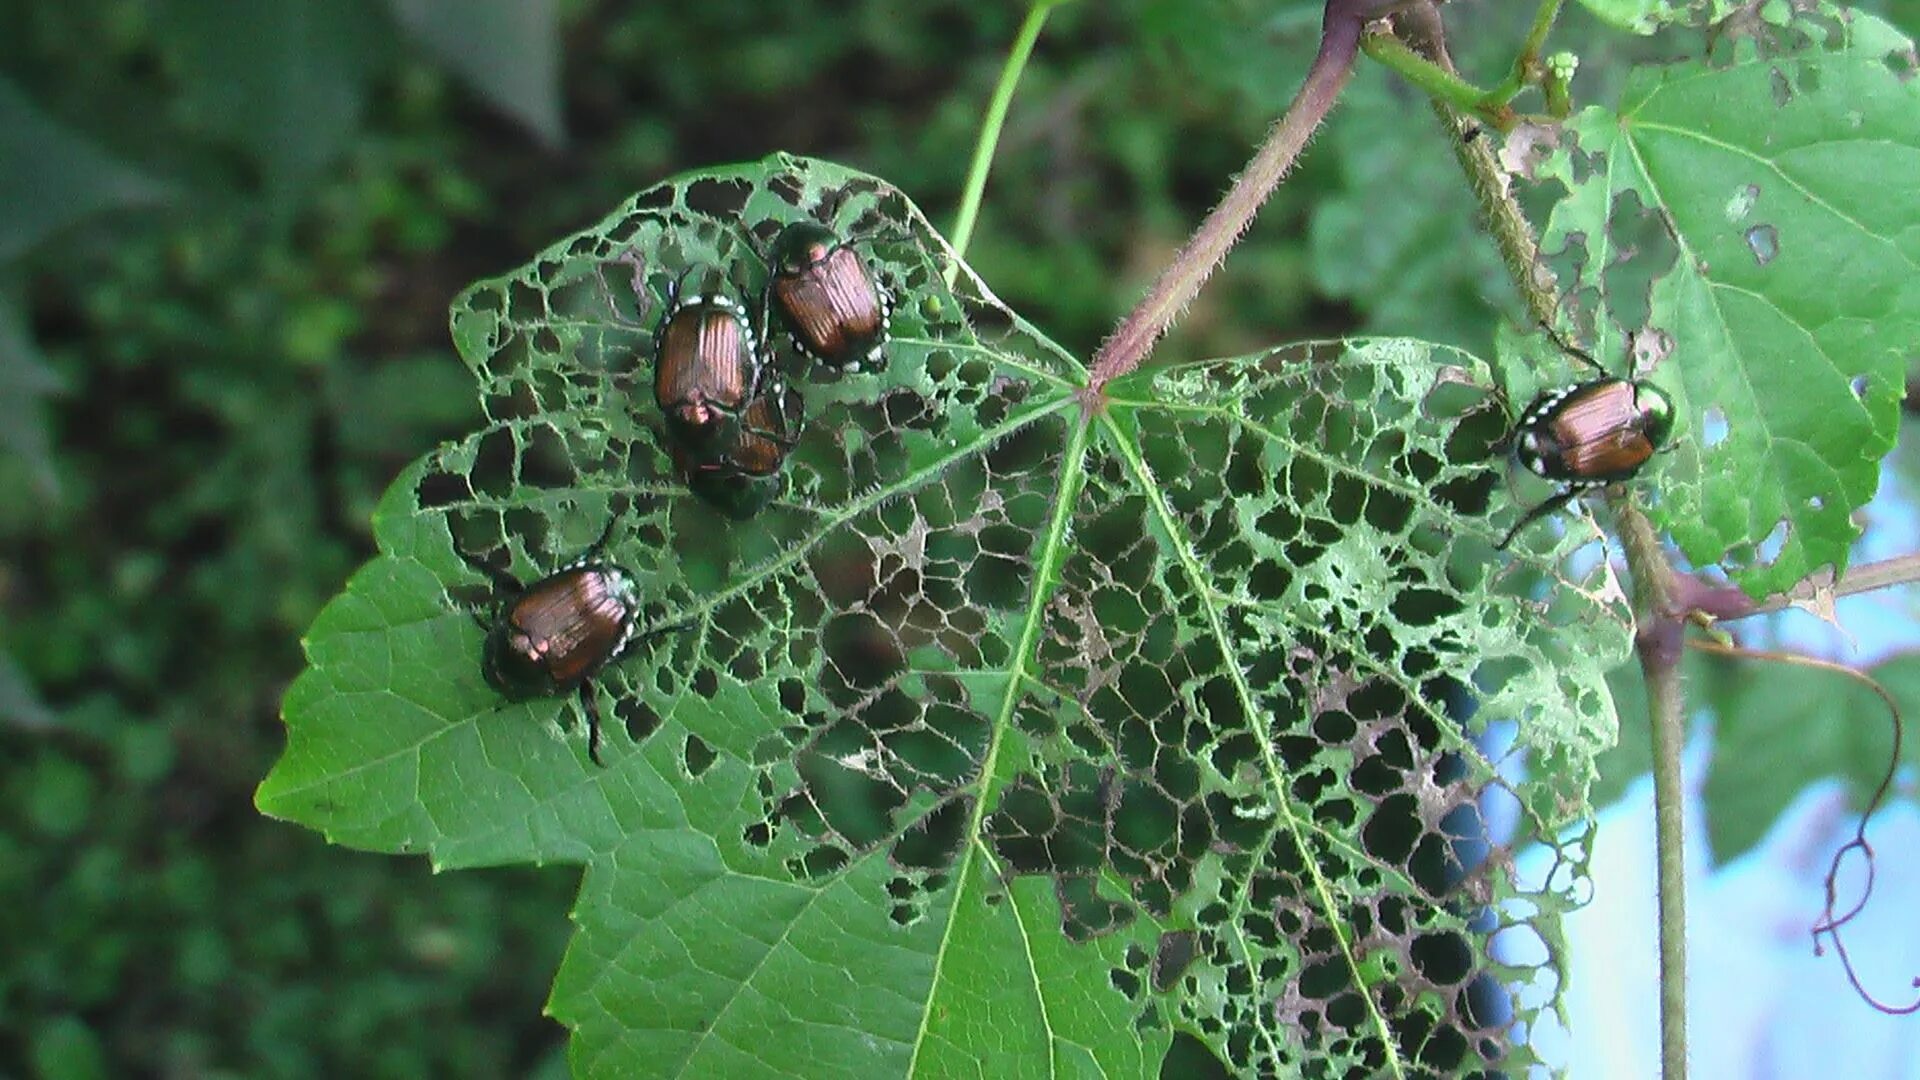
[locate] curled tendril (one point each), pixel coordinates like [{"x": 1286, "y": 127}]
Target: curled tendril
[{"x": 1831, "y": 921}]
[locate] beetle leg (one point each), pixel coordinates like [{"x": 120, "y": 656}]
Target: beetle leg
[
  {"x": 592, "y": 703},
  {"x": 670, "y": 628},
  {"x": 503, "y": 582},
  {"x": 786, "y": 437},
  {"x": 1535, "y": 514},
  {"x": 1573, "y": 350},
  {"x": 599, "y": 546}
]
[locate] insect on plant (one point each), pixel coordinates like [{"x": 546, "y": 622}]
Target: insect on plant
[
  {"x": 829, "y": 298},
  {"x": 1589, "y": 434},
  {"x": 554, "y": 635}
]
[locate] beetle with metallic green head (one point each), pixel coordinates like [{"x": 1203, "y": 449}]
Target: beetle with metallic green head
[
  {"x": 1590, "y": 434},
  {"x": 556, "y": 634},
  {"x": 837, "y": 311}
]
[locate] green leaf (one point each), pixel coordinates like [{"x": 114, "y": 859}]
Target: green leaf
[
  {"x": 68, "y": 1049},
  {"x": 1781, "y": 728},
  {"x": 1779, "y": 190},
  {"x": 25, "y": 385},
  {"x": 52, "y": 177},
  {"x": 1014, "y": 734},
  {"x": 1648, "y": 16},
  {"x": 20, "y": 704},
  {"x": 286, "y": 80},
  {"x": 508, "y": 51}
]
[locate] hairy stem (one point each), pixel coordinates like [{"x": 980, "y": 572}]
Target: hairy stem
[
  {"x": 1660, "y": 640},
  {"x": 1662, "y": 632},
  {"x": 1512, "y": 233},
  {"x": 1203, "y": 254},
  {"x": 996, "y": 118}
]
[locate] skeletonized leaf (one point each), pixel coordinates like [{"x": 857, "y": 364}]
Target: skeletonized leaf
[{"x": 1015, "y": 735}]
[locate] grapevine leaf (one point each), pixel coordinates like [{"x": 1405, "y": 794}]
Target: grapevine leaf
[
  {"x": 1648, "y": 16},
  {"x": 1777, "y": 186},
  {"x": 1022, "y": 730}
]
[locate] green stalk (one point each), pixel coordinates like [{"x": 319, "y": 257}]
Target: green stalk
[
  {"x": 976, "y": 187},
  {"x": 1660, "y": 640},
  {"x": 1660, "y": 635},
  {"x": 1430, "y": 77},
  {"x": 1523, "y": 64}
]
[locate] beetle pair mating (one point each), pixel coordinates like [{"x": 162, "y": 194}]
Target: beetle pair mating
[
  {"x": 1587, "y": 435},
  {"x": 731, "y": 417}
]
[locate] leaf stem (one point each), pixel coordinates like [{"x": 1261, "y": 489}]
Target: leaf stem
[
  {"x": 1437, "y": 81},
  {"x": 990, "y": 127},
  {"x": 1660, "y": 641},
  {"x": 1725, "y": 603},
  {"x": 1506, "y": 223},
  {"x": 1181, "y": 280},
  {"x": 1526, "y": 64}
]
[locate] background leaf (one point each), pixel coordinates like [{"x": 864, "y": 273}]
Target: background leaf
[
  {"x": 1780, "y": 729},
  {"x": 507, "y": 50},
  {"x": 52, "y": 177},
  {"x": 285, "y": 81},
  {"x": 1003, "y": 734},
  {"x": 1791, "y": 299},
  {"x": 25, "y": 384}
]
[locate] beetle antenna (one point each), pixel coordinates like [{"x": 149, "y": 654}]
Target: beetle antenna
[{"x": 1535, "y": 514}]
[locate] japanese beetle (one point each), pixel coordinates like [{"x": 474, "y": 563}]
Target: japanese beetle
[
  {"x": 1588, "y": 435},
  {"x": 741, "y": 474},
  {"x": 555, "y": 635},
  {"x": 706, "y": 363},
  {"x": 827, "y": 295}
]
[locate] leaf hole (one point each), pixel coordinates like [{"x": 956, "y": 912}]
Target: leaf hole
[
  {"x": 698, "y": 756},
  {"x": 1713, "y": 427},
  {"x": 437, "y": 489},
  {"x": 1172, "y": 957},
  {"x": 718, "y": 198},
  {"x": 934, "y": 842},
  {"x": 705, "y": 682}
]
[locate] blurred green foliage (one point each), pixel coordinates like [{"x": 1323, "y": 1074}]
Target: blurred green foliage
[{"x": 229, "y": 231}]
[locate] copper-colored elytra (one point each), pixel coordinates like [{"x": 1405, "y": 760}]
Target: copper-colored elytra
[
  {"x": 713, "y": 345},
  {"x": 758, "y": 452},
  {"x": 569, "y": 624},
  {"x": 833, "y": 305},
  {"x": 1599, "y": 432}
]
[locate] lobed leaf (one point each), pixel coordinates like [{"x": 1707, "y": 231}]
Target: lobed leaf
[
  {"x": 1024, "y": 729},
  {"x": 1777, "y": 187}
]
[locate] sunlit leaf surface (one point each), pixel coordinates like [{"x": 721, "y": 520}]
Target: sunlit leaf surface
[{"x": 1015, "y": 735}]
